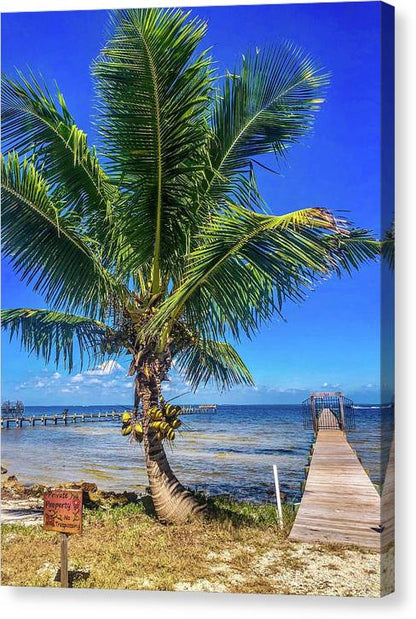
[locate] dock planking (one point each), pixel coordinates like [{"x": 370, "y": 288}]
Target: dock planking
[{"x": 340, "y": 503}]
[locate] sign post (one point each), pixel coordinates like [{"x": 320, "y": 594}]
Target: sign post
[
  {"x": 62, "y": 512},
  {"x": 64, "y": 559}
]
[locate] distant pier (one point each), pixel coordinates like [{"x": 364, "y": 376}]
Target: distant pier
[
  {"x": 195, "y": 409},
  {"x": 65, "y": 418}
]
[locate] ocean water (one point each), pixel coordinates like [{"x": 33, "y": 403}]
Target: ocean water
[{"x": 229, "y": 451}]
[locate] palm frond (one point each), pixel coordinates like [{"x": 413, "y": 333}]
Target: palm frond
[
  {"x": 46, "y": 245},
  {"x": 265, "y": 106},
  {"x": 50, "y": 334},
  {"x": 248, "y": 264},
  {"x": 348, "y": 252},
  {"x": 387, "y": 247},
  {"x": 206, "y": 360},
  {"x": 153, "y": 97},
  {"x": 35, "y": 125}
]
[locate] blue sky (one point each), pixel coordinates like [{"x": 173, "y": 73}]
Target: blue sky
[{"x": 332, "y": 340}]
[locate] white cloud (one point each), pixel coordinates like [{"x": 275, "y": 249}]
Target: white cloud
[
  {"x": 105, "y": 368},
  {"x": 56, "y": 375},
  {"x": 78, "y": 378},
  {"x": 93, "y": 381}
]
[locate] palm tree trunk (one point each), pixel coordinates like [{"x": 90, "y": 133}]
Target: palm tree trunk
[{"x": 172, "y": 502}]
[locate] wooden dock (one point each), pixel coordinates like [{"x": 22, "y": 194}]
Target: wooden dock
[
  {"x": 58, "y": 418},
  {"x": 65, "y": 418},
  {"x": 340, "y": 503}
]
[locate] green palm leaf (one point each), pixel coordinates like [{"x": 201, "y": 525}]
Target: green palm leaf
[
  {"x": 153, "y": 106},
  {"x": 350, "y": 248},
  {"x": 34, "y": 126},
  {"x": 46, "y": 245},
  {"x": 266, "y": 105},
  {"x": 54, "y": 334},
  {"x": 248, "y": 264},
  {"x": 205, "y": 360}
]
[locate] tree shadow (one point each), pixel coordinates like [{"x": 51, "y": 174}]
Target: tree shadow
[
  {"x": 223, "y": 509},
  {"x": 146, "y": 502}
]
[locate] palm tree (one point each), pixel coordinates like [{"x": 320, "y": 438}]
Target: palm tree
[{"x": 165, "y": 250}]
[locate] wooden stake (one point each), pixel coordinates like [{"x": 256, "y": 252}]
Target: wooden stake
[
  {"x": 278, "y": 500},
  {"x": 64, "y": 559}
]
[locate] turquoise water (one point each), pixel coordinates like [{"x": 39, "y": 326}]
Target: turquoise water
[{"x": 229, "y": 451}]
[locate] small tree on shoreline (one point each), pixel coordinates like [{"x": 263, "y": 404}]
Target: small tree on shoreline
[{"x": 166, "y": 250}]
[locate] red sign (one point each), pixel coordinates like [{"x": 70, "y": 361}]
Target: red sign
[{"x": 62, "y": 511}]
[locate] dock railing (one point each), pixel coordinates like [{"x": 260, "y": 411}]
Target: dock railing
[{"x": 328, "y": 411}]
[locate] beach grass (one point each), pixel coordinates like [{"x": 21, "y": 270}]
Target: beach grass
[{"x": 239, "y": 549}]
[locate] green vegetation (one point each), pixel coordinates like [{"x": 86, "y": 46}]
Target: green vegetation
[{"x": 167, "y": 250}]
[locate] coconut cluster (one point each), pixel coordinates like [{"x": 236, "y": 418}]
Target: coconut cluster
[{"x": 163, "y": 423}]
